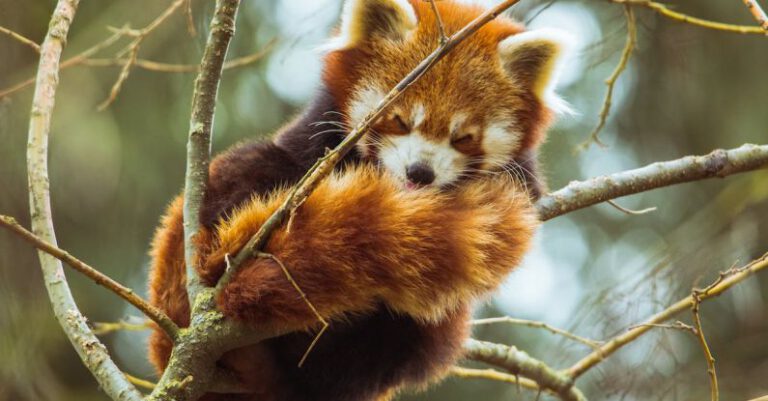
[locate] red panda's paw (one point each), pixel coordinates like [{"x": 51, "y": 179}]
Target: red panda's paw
[{"x": 261, "y": 294}]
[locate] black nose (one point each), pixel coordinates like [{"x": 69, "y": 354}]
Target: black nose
[{"x": 420, "y": 173}]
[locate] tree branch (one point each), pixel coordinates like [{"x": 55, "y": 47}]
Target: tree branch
[
  {"x": 92, "y": 352},
  {"x": 680, "y": 17},
  {"x": 719, "y": 163},
  {"x": 21, "y": 38},
  {"x": 200, "y": 125},
  {"x": 99, "y": 278},
  {"x": 540, "y": 325},
  {"x": 758, "y": 13},
  {"x": 723, "y": 283},
  {"x": 519, "y": 363}
]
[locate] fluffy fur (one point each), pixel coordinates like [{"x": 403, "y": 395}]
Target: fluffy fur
[{"x": 394, "y": 270}]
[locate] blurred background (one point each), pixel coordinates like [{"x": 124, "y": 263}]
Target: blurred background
[{"x": 687, "y": 90}]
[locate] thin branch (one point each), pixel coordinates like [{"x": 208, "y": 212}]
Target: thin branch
[
  {"x": 179, "y": 68},
  {"x": 758, "y": 13},
  {"x": 96, "y": 276},
  {"x": 109, "y": 41},
  {"x": 305, "y": 299},
  {"x": 190, "y": 19},
  {"x": 629, "y": 47},
  {"x": 140, "y": 383},
  {"x": 541, "y": 325},
  {"x": 687, "y": 19},
  {"x": 440, "y": 26},
  {"x": 519, "y": 363},
  {"x": 720, "y": 286},
  {"x": 325, "y": 165},
  {"x": 91, "y": 351},
  {"x": 133, "y": 51},
  {"x": 491, "y": 374},
  {"x": 630, "y": 211},
  {"x": 719, "y": 163},
  {"x": 699, "y": 332},
  {"x": 200, "y": 126},
  {"x": 103, "y": 328},
  {"x": 21, "y": 38}
]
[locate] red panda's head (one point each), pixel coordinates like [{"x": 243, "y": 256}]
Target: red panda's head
[{"x": 485, "y": 104}]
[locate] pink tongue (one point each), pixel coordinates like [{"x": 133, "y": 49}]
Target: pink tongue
[{"x": 411, "y": 186}]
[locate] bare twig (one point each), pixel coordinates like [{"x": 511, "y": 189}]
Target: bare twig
[
  {"x": 680, "y": 17},
  {"x": 719, "y": 163},
  {"x": 630, "y": 211},
  {"x": 190, "y": 19},
  {"x": 491, "y": 374},
  {"x": 323, "y": 167},
  {"x": 699, "y": 332},
  {"x": 720, "y": 286},
  {"x": 133, "y": 51},
  {"x": 141, "y": 383},
  {"x": 440, "y": 25},
  {"x": 758, "y": 13},
  {"x": 99, "y": 278},
  {"x": 541, "y": 325},
  {"x": 629, "y": 47},
  {"x": 103, "y": 328},
  {"x": 91, "y": 351},
  {"x": 109, "y": 41},
  {"x": 305, "y": 299},
  {"x": 21, "y": 38},
  {"x": 179, "y": 68},
  {"x": 200, "y": 127},
  {"x": 519, "y": 363}
]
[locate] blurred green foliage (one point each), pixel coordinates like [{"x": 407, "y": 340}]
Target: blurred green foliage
[{"x": 687, "y": 91}]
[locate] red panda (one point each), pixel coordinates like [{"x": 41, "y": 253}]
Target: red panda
[{"x": 419, "y": 221}]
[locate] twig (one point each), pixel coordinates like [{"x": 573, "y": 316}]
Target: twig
[
  {"x": 141, "y": 383},
  {"x": 305, "y": 299},
  {"x": 719, "y": 163},
  {"x": 758, "y": 13},
  {"x": 617, "y": 342},
  {"x": 541, "y": 325},
  {"x": 325, "y": 165},
  {"x": 680, "y": 17},
  {"x": 518, "y": 362},
  {"x": 630, "y": 211},
  {"x": 629, "y": 47},
  {"x": 109, "y": 41},
  {"x": 222, "y": 29},
  {"x": 99, "y": 278},
  {"x": 190, "y": 19},
  {"x": 103, "y": 328},
  {"x": 133, "y": 51},
  {"x": 440, "y": 26},
  {"x": 20, "y": 38},
  {"x": 699, "y": 332},
  {"x": 91, "y": 351},
  {"x": 179, "y": 68},
  {"x": 491, "y": 374}
]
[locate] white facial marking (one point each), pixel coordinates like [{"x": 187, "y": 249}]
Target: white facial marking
[
  {"x": 418, "y": 115},
  {"x": 400, "y": 152},
  {"x": 499, "y": 142},
  {"x": 456, "y": 121},
  {"x": 363, "y": 102}
]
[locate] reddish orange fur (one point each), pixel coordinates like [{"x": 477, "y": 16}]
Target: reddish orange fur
[{"x": 395, "y": 272}]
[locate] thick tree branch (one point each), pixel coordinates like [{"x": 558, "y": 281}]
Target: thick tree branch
[
  {"x": 519, "y": 363},
  {"x": 99, "y": 278},
  {"x": 719, "y": 163},
  {"x": 758, "y": 14},
  {"x": 200, "y": 125},
  {"x": 325, "y": 165},
  {"x": 92, "y": 352}
]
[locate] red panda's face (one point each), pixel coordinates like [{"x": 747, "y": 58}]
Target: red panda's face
[{"x": 474, "y": 112}]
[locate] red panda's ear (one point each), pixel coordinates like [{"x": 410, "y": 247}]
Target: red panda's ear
[
  {"x": 364, "y": 19},
  {"x": 534, "y": 59}
]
